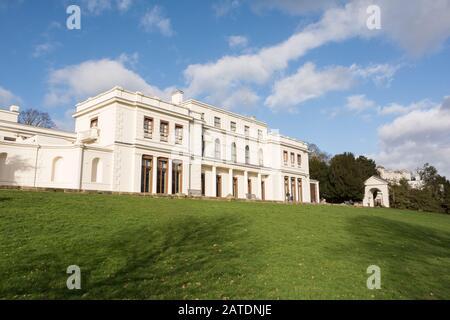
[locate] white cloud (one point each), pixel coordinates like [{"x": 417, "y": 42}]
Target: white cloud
[
  {"x": 396, "y": 108},
  {"x": 417, "y": 137},
  {"x": 43, "y": 49},
  {"x": 89, "y": 78},
  {"x": 309, "y": 83},
  {"x": 359, "y": 103},
  {"x": 241, "y": 98},
  {"x": 417, "y": 26},
  {"x": 381, "y": 74},
  {"x": 97, "y": 7},
  {"x": 293, "y": 7},
  {"x": 225, "y": 7},
  {"x": 155, "y": 20},
  {"x": 222, "y": 77},
  {"x": 237, "y": 41},
  {"x": 124, "y": 5},
  {"x": 7, "y": 97}
]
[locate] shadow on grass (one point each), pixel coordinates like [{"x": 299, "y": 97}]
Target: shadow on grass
[
  {"x": 414, "y": 259},
  {"x": 4, "y": 199},
  {"x": 189, "y": 257}
]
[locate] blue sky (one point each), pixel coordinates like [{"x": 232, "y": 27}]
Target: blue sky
[{"x": 309, "y": 68}]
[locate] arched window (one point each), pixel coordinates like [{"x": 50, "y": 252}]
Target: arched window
[
  {"x": 233, "y": 152},
  {"x": 57, "y": 169},
  {"x": 97, "y": 170},
  {"x": 247, "y": 154},
  {"x": 217, "y": 149},
  {"x": 261, "y": 157}
]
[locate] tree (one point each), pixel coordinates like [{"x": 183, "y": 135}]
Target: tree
[
  {"x": 316, "y": 153},
  {"x": 434, "y": 196},
  {"x": 36, "y": 118},
  {"x": 319, "y": 170},
  {"x": 368, "y": 167},
  {"x": 346, "y": 178}
]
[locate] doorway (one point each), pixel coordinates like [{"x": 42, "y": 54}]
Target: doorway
[{"x": 218, "y": 186}]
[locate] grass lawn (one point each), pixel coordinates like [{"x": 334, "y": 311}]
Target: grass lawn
[{"x": 131, "y": 247}]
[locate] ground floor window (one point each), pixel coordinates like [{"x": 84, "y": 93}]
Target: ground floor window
[
  {"x": 218, "y": 186},
  {"x": 249, "y": 186},
  {"x": 203, "y": 183},
  {"x": 263, "y": 190},
  {"x": 161, "y": 175},
  {"x": 177, "y": 176},
  {"x": 294, "y": 194},
  {"x": 235, "y": 187},
  {"x": 286, "y": 188},
  {"x": 300, "y": 190},
  {"x": 146, "y": 174}
]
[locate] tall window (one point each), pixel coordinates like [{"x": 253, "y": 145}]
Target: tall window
[
  {"x": 217, "y": 122},
  {"x": 177, "y": 176},
  {"x": 148, "y": 127},
  {"x": 299, "y": 160},
  {"x": 164, "y": 131},
  {"x": 203, "y": 183},
  {"x": 261, "y": 157},
  {"x": 285, "y": 158},
  {"x": 57, "y": 169},
  {"x": 247, "y": 131},
  {"x": 247, "y": 154},
  {"x": 286, "y": 188},
  {"x": 217, "y": 149},
  {"x": 233, "y": 126},
  {"x": 294, "y": 193},
  {"x": 178, "y": 134},
  {"x": 292, "y": 159},
  {"x": 203, "y": 145},
  {"x": 94, "y": 123},
  {"x": 300, "y": 190},
  {"x": 260, "y": 134},
  {"x": 161, "y": 175},
  {"x": 146, "y": 174},
  {"x": 233, "y": 152},
  {"x": 97, "y": 170}
]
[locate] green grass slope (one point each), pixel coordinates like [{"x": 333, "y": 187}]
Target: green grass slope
[{"x": 131, "y": 247}]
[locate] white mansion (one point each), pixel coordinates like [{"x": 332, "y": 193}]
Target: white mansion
[{"x": 128, "y": 142}]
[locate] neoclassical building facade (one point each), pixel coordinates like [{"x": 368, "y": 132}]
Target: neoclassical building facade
[{"x": 129, "y": 142}]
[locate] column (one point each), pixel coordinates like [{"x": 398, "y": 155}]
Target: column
[
  {"x": 245, "y": 184},
  {"x": 213, "y": 181},
  {"x": 169, "y": 176},
  {"x": 258, "y": 187},
  {"x": 230, "y": 181}
]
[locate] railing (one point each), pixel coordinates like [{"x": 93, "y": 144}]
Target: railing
[{"x": 89, "y": 136}]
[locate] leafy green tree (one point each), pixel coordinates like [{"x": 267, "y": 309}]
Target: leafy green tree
[
  {"x": 346, "y": 178},
  {"x": 368, "y": 167},
  {"x": 319, "y": 170}
]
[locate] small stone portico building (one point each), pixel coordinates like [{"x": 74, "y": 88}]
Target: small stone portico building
[{"x": 376, "y": 192}]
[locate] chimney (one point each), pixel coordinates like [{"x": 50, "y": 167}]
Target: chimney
[
  {"x": 14, "y": 109},
  {"x": 177, "y": 97}
]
